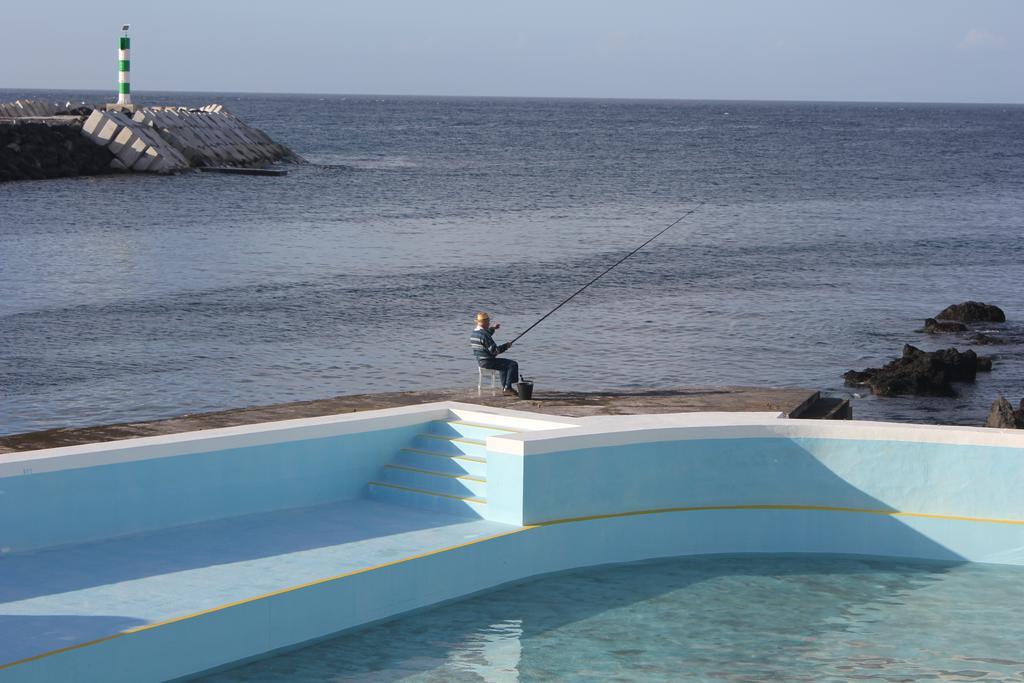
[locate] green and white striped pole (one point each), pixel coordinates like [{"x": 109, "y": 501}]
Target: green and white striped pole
[{"x": 124, "y": 69}]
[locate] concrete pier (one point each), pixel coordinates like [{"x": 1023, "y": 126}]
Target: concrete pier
[
  {"x": 791, "y": 402},
  {"x": 139, "y": 139}
]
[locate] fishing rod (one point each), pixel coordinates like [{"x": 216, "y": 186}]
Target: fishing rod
[{"x": 609, "y": 269}]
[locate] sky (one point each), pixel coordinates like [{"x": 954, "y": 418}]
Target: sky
[{"x": 850, "y": 50}]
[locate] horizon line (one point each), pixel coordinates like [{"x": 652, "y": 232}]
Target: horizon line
[{"x": 113, "y": 93}]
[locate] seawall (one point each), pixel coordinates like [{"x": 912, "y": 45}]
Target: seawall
[
  {"x": 41, "y": 140},
  {"x": 793, "y": 402}
]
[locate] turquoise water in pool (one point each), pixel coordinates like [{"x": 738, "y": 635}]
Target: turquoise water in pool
[{"x": 794, "y": 618}]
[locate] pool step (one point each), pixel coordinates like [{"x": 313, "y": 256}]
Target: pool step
[
  {"x": 450, "y": 445},
  {"x": 442, "y": 462},
  {"x": 462, "y": 485},
  {"x": 469, "y": 430},
  {"x": 444, "y": 469},
  {"x": 409, "y": 496}
]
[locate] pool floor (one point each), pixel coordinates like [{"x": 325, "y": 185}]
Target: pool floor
[
  {"x": 737, "y": 618},
  {"x": 67, "y": 596}
]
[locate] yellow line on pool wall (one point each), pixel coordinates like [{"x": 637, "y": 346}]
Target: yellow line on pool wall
[
  {"x": 815, "y": 508},
  {"x": 308, "y": 584},
  {"x": 470, "y": 477},
  {"x": 471, "y": 499},
  {"x": 538, "y": 525}
]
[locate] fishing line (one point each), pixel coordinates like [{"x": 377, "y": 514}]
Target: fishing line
[{"x": 609, "y": 269}]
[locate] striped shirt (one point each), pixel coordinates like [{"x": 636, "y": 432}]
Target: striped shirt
[{"x": 482, "y": 343}]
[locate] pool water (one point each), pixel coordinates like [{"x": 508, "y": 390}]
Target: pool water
[{"x": 791, "y": 617}]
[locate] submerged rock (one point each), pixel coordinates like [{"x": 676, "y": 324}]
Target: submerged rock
[
  {"x": 982, "y": 339},
  {"x": 921, "y": 373},
  {"x": 1003, "y": 416},
  {"x": 933, "y": 326},
  {"x": 973, "y": 311}
]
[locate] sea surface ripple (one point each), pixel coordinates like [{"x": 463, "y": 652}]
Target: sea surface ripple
[{"x": 830, "y": 232}]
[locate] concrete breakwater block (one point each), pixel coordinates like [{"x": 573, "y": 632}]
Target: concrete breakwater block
[
  {"x": 212, "y": 136},
  {"x": 100, "y": 128},
  {"x": 128, "y": 147},
  {"x": 136, "y": 146},
  {"x": 30, "y": 109}
]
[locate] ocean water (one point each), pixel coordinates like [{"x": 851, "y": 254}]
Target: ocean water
[
  {"x": 829, "y": 232},
  {"x": 753, "y": 618}
]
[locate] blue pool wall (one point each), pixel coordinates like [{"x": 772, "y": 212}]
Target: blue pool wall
[
  {"x": 147, "y": 484},
  {"x": 279, "y": 622},
  {"x": 949, "y": 479},
  {"x": 940, "y": 470},
  {"x": 600, "y": 467}
]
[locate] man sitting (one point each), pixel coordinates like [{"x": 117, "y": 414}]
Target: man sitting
[{"x": 486, "y": 352}]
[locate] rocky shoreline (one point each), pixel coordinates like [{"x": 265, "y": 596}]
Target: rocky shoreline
[{"x": 935, "y": 373}]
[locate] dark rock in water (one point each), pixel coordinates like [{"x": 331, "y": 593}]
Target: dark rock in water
[
  {"x": 982, "y": 339},
  {"x": 1003, "y": 416},
  {"x": 921, "y": 373},
  {"x": 962, "y": 365},
  {"x": 973, "y": 311},
  {"x": 933, "y": 326}
]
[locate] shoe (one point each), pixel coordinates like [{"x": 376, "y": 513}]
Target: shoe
[{"x": 509, "y": 392}]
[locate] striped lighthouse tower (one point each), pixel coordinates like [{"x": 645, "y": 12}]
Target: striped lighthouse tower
[{"x": 124, "y": 68}]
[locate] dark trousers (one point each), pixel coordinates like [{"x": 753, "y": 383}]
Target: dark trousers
[{"x": 508, "y": 368}]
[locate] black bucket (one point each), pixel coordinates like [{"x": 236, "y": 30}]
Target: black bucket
[{"x": 525, "y": 389}]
